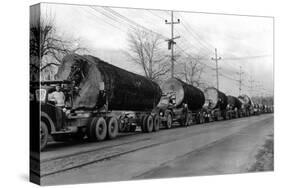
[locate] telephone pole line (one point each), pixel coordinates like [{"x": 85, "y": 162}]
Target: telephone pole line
[
  {"x": 171, "y": 41},
  {"x": 216, "y": 59},
  {"x": 240, "y": 80},
  {"x": 251, "y": 85}
]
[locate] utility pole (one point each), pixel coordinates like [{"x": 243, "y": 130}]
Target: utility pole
[
  {"x": 251, "y": 85},
  {"x": 240, "y": 80},
  {"x": 171, "y": 41},
  {"x": 216, "y": 58}
]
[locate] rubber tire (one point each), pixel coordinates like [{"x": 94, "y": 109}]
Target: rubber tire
[
  {"x": 201, "y": 119},
  {"x": 45, "y": 131},
  {"x": 93, "y": 132},
  {"x": 183, "y": 121},
  {"x": 121, "y": 129},
  {"x": 169, "y": 121},
  {"x": 149, "y": 124},
  {"x": 112, "y": 127},
  {"x": 156, "y": 123},
  {"x": 143, "y": 124}
]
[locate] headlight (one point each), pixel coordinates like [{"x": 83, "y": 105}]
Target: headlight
[{"x": 161, "y": 113}]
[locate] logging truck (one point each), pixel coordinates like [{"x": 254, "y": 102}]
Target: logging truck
[
  {"x": 101, "y": 100},
  {"x": 215, "y": 105},
  {"x": 180, "y": 103}
]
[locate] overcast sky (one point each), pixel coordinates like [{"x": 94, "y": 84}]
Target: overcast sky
[{"x": 241, "y": 40}]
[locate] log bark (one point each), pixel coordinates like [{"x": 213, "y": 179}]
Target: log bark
[
  {"x": 99, "y": 82},
  {"x": 246, "y": 101},
  {"x": 215, "y": 98},
  {"x": 184, "y": 93},
  {"x": 234, "y": 102}
]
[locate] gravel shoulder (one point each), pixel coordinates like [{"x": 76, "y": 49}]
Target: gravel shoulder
[{"x": 264, "y": 157}]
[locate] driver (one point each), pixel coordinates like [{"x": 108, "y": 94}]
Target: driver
[{"x": 58, "y": 97}]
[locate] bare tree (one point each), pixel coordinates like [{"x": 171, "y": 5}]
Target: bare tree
[
  {"x": 191, "y": 69},
  {"x": 144, "y": 50},
  {"x": 47, "y": 48}
]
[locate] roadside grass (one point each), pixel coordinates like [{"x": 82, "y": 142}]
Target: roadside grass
[{"x": 264, "y": 157}]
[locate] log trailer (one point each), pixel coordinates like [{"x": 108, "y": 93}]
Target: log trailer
[
  {"x": 233, "y": 107},
  {"x": 101, "y": 100},
  {"x": 215, "y": 105},
  {"x": 180, "y": 103},
  {"x": 247, "y": 108}
]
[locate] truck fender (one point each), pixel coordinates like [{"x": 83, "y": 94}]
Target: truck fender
[{"x": 50, "y": 122}]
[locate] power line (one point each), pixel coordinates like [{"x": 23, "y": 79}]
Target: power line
[
  {"x": 196, "y": 35},
  {"x": 216, "y": 59},
  {"x": 104, "y": 21},
  {"x": 156, "y": 15},
  {"x": 111, "y": 17},
  {"x": 199, "y": 42},
  {"x": 247, "y": 57},
  {"x": 133, "y": 22},
  {"x": 187, "y": 55}
]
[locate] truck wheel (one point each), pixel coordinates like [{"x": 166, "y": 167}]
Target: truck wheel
[
  {"x": 44, "y": 134},
  {"x": 122, "y": 125},
  {"x": 183, "y": 120},
  {"x": 112, "y": 127},
  {"x": 202, "y": 119},
  {"x": 169, "y": 121},
  {"x": 97, "y": 130},
  {"x": 156, "y": 123},
  {"x": 143, "y": 124},
  {"x": 149, "y": 124}
]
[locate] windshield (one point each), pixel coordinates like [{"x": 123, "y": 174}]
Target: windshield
[{"x": 40, "y": 94}]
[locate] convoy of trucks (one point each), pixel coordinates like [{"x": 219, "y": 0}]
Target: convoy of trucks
[{"x": 102, "y": 100}]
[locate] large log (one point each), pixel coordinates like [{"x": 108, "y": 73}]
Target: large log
[
  {"x": 124, "y": 90},
  {"x": 233, "y": 102},
  {"x": 183, "y": 93},
  {"x": 245, "y": 100},
  {"x": 215, "y": 98}
]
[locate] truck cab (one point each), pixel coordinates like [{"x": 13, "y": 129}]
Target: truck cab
[
  {"x": 52, "y": 118},
  {"x": 169, "y": 112}
]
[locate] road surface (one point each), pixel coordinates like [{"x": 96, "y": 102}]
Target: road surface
[{"x": 208, "y": 149}]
